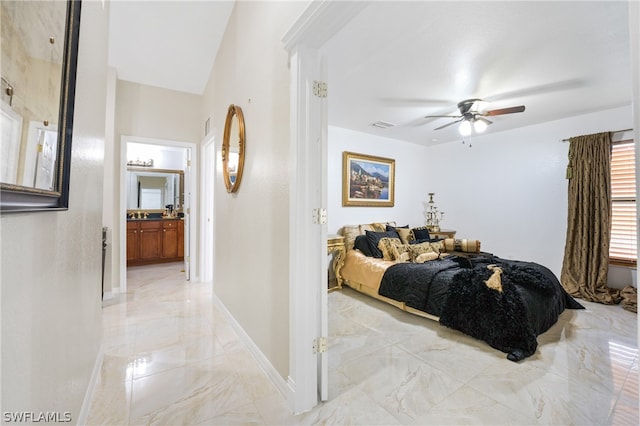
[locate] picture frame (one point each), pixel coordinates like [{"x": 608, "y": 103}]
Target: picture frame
[{"x": 367, "y": 180}]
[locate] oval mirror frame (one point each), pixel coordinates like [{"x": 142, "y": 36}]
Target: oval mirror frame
[{"x": 232, "y": 167}]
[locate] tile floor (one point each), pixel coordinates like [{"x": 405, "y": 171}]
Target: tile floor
[{"x": 170, "y": 357}]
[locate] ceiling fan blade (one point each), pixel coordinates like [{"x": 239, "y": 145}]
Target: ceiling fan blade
[
  {"x": 449, "y": 124},
  {"x": 481, "y": 118},
  {"x": 502, "y": 111},
  {"x": 442, "y": 116}
]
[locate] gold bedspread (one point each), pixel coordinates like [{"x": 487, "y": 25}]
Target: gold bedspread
[
  {"x": 367, "y": 271},
  {"x": 364, "y": 274}
]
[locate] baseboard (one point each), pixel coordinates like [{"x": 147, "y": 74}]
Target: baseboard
[
  {"x": 280, "y": 384},
  {"x": 88, "y": 396}
]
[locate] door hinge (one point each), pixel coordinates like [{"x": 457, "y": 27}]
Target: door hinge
[
  {"x": 320, "y": 345},
  {"x": 320, "y": 89},
  {"x": 188, "y": 163},
  {"x": 319, "y": 216}
]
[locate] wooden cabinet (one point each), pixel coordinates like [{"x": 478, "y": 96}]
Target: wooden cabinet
[
  {"x": 133, "y": 242},
  {"x": 154, "y": 241},
  {"x": 150, "y": 242},
  {"x": 170, "y": 238}
]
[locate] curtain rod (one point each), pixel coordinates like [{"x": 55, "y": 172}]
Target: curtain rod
[{"x": 617, "y": 131}]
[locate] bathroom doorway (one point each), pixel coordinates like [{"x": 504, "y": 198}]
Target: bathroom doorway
[{"x": 161, "y": 154}]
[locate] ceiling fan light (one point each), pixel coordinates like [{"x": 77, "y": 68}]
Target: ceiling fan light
[
  {"x": 479, "y": 126},
  {"x": 465, "y": 128}
]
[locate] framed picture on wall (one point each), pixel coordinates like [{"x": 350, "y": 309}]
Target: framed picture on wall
[{"x": 367, "y": 181}]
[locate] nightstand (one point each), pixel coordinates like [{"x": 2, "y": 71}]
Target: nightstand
[
  {"x": 443, "y": 233},
  {"x": 335, "y": 244}
]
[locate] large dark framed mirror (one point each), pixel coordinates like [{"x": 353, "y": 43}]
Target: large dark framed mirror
[
  {"x": 39, "y": 58},
  {"x": 233, "y": 145}
]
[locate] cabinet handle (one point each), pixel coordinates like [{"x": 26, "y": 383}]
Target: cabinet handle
[
  {"x": 141, "y": 232},
  {"x": 164, "y": 230}
]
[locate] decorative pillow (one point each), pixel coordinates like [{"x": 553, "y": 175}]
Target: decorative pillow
[
  {"x": 374, "y": 238},
  {"x": 373, "y": 227},
  {"x": 425, "y": 257},
  {"x": 438, "y": 246},
  {"x": 466, "y": 246},
  {"x": 350, "y": 232},
  {"x": 420, "y": 233},
  {"x": 401, "y": 252},
  {"x": 416, "y": 250},
  {"x": 405, "y": 235},
  {"x": 362, "y": 244},
  {"x": 388, "y": 247},
  {"x": 403, "y": 231},
  {"x": 403, "y": 258},
  {"x": 420, "y": 241}
]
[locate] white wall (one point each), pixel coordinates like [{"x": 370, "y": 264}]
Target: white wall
[
  {"x": 146, "y": 112},
  {"x": 252, "y": 226},
  {"x": 412, "y": 186},
  {"x": 154, "y": 112},
  {"x": 51, "y": 261}
]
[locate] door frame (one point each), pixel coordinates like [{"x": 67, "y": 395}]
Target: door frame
[
  {"x": 307, "y": 191},
  {"x": 207, "y": 200},
  {"x": 190, "y": 198}
]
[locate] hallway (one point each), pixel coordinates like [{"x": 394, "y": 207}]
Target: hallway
[{"x": 170, "y": 357}]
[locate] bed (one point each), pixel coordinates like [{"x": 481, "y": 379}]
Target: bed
[{"x": 505, "y": 303}]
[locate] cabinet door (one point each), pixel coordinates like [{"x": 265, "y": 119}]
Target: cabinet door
[
  {"x": 133, "y": 242},
  {"x": 150, "y": 240},
  {"x": 170, "y": 240},
  {"x": 180, "y": 239}
]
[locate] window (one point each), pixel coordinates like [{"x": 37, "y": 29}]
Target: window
[{"x": 622, "y": 250}]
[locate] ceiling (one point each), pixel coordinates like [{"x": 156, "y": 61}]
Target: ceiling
[
  {"x": 400, "y": 61},
  {"x": 168, "y": 44}
]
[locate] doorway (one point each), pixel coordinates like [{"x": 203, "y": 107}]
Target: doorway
[{"x": 168, "y": 154}]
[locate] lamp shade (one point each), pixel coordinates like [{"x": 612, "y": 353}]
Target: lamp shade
[
  {"x": 465, "y": 128},
  {"x": 479, "y": 126}
]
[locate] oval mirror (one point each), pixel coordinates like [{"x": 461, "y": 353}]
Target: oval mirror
[{"x": 233, "y": 148}]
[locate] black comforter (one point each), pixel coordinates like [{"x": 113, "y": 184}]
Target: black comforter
[{"x": 454, "y": 289}]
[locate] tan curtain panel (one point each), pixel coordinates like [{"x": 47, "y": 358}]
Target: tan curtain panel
[{"x": 586, "y": 253}]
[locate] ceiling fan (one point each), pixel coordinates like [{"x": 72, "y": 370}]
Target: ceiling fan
[{"x": 473, "y": 113}]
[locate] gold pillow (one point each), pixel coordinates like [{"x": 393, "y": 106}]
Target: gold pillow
[
  {"x": 350, "y": 232},
  {"x": 401, "y": 252},
  {"x": 425, "y": 257},
  {"x": 388, "y": 247},
  {"x": 464, "y": 245},
  {"x": 375, "y": 227},
  {"x": 405, "y": 235},
  {"x": 416, "y": 250}
]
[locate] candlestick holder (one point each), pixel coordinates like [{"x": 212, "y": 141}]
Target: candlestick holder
[{"x": 432, "y": 216}]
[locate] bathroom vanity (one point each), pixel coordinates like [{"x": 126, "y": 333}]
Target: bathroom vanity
[{"x": 154, "y": 241}]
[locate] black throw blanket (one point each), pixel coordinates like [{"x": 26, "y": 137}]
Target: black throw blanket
[{"x": 454, "y": 289}]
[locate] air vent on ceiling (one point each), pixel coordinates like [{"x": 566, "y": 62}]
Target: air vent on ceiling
[{"x": 383, "y": 124}]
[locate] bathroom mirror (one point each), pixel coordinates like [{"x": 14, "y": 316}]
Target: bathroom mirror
[
  {"x": 153, "y": 189},
  {"x": 233, "y": 144},
  {"x": 39, "y": 55}
]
